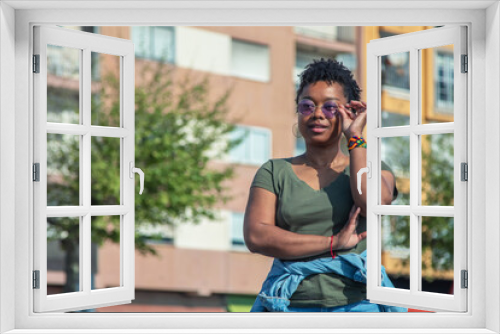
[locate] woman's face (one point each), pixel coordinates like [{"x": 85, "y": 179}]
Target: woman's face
[{"x": 316, "y": 128}]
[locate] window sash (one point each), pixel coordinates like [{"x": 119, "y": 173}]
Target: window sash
[
  {"x": 413, "y": 42},
  {"x": 86, "y": 297}
]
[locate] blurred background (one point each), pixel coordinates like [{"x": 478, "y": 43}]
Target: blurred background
[{"x": 212, "y": 105}]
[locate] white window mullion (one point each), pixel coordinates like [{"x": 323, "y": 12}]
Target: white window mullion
[
  {"x": 86, "y": 165},
  {"x": 394, "y": 210},
  {"x": 373, "y": 230},
  {"x": 127, "y": 221},
  {"x": 405, "y": 210},
  {"x": 391, "y": 131},
  {"x": 104, "y": 131},
  {"x": 433, "y": 129},
  {"x": 77, "y": 129},
  {"x": 68, "y": 129},
  {"x": 422, "y": 129},
  {"x": 415, "y": 170}
]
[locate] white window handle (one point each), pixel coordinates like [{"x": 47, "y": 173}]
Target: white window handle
[
  {"x": 360, "y": 173},
  {"x": 141, "y": 175}
]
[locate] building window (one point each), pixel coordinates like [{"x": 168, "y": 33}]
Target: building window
[
  {"x": 328, "y": 33},
  {"x": 300, "y": 146},
  {"x": 346, "y": 34},
  {"x": 237, "y": 239},
  {"x": 250, "y": 61},
  {"x": 396, "y": 70},
  {"x": 156, "y": 43},
  {"x": 303, "y": 58},
  {"x": 255, "y": 145},
  {"x": 395, "y": 67},
  {"x": 443, "y": 73}
]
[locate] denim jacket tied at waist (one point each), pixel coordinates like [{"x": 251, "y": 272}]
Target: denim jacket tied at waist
[{"x": 285, "y": 276}]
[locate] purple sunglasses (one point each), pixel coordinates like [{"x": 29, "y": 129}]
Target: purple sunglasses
[{"x": 307, "y": 107}]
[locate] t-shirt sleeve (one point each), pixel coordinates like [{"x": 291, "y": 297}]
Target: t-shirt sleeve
[
  {"x": 385, "y": 166},
  {"x": 264, "y": 177}
]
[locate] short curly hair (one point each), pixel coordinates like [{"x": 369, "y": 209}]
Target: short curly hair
[{"x": 331, "y": 71}]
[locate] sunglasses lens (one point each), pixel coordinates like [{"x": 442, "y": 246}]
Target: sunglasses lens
[
  {"x": 329, "y": 109},
  {"x": 305, "y": 108}
]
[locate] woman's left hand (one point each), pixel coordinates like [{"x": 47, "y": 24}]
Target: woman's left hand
[{"x": 353, "y": 123}]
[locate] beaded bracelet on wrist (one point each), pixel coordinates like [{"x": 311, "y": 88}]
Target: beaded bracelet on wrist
[{"x": 355, "y": 141}]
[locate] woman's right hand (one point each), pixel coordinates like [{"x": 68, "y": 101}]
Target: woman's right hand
[{"x": 348, "y": 237}]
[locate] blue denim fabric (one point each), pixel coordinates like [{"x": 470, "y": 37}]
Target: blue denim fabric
[
  {"x": 285, "y": 276},
  {"x": 361, "y": 306}
]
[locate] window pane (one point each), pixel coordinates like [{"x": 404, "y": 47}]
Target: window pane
[
  {"x": 63, "y": 255},
  {"x": 141, "y": 37},
  {"x": 395, "y": 152},
  {"x": 105, "y": 252},
  {"x": 300, "y": 146},
  {"x": 105, "y": 171},
  {"x": 259, "y": 146},
  {"x": 105, "y": 100},
  {"x": 437, "y": 169},
  {"x": 396, "y": 249},
  {"x": 394, "y": 119},
  {"x": 63, "y": 169},
  {"x": 238, "y": 153},
  {"x": 438, "y": 76},
  {"x": 156, "y": 43},
  {"x": 163, "y": 44},
  {"x": 63, "y": 84},
  {"x": 395, "y": 77},
  {"x": 437, "y": 254},
  {"x": 250, "y": 61},
  {"x": 254, "y": 147},
  {"x": 237, "y": 228}
]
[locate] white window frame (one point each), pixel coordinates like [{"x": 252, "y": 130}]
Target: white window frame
[
  {"x": 414, "y": 43},
  {"x": 483, "y": 20},
  {"x": 85, "y": 43}
]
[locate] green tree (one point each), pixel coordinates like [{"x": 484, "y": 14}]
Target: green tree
[
  {"x": 176, "y": 137},
  {"x": 437, "y": 189}
]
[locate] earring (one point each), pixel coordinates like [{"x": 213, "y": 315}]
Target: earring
[{"x": 295, "y": 131}]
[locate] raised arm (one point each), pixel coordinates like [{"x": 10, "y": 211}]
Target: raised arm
[{"x": 353, "y": 125}]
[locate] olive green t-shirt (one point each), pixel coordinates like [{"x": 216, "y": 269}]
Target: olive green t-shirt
[{"x": 304, "y": 210}]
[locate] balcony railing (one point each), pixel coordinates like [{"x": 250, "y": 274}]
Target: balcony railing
[
  {"x": 340, "y": 34},
  {"x": 346, "y": 34}
]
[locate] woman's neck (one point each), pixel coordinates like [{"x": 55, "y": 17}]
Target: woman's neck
[{"x": 323, "y": 157}]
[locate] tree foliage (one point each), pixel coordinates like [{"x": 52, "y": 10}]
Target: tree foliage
[
  {"x": 437, "y": 189},
  {"x": 177, "y": 134}
]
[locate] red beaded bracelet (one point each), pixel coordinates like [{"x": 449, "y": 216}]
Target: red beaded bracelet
[{"x": 331, "y": 248}]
